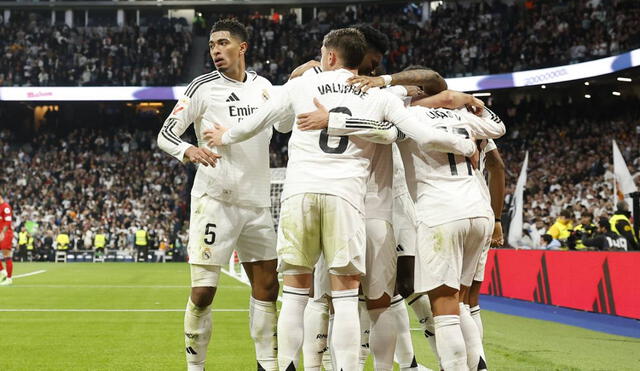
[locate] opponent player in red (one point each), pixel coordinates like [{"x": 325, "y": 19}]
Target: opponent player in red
[{"x": 6, "y": 240}]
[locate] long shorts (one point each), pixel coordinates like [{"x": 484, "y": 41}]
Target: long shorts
[
  {"x": 311, "y": 224},
  {"x": 448, "y": 254},
  {"x": 382, "y": 261},
  {"x": 217, "y": 228},
  {"x": 404, "y": 225}
]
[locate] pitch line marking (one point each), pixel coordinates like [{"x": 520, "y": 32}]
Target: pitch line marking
[
  {"x": 115, "y": 310},
  {"x": 29, "y": 274}
]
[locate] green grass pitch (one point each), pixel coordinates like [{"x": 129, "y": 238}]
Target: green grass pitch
[{"x": 150, "y": 339}]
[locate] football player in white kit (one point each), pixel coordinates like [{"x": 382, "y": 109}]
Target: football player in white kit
[
  {"x": 493, "y": 191},
  {"x": 230, "y": 202},
  {"x": 323, "y": 197},
  {"x": 451, "y": 239}
]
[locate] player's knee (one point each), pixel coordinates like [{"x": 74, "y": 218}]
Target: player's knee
[
  {"x": 382, "y": 302},
  {"x": 202, "y": 296},
  {"x": 266, "y": 289}
]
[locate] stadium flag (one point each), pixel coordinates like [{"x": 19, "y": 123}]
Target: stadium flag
[
  {"x": 515, "y": 227},
  {"x": 624, "y": 184}
]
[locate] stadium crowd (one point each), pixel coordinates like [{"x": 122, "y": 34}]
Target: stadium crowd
[
  {"x": 86, "y": 183},
  {"x": 35, "y": 53},
  {"x": 486, "y": 38},
  {"x": 570, "y": 159}
]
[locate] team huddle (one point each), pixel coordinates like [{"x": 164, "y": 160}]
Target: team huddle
[{"x": 385, "y": 200}]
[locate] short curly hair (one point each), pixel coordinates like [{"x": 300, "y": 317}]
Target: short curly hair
[
  {"x": 375, "y": 38},
  {"x": 234, "y": 27}
]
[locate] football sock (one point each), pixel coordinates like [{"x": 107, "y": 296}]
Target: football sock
[
  {"x": 197, "y": 333},
  {"x": 263, "y": 323},
  {"x": 383, "y": 338},
  {"x": 472, "y": 339},
  {"x": 1, "y": 267},
  {"x": 450, "y": 343},
  {"x": 422, "y": 308},
  {"x": 365, "y": 329},
  {"x": 9, "y": 262},
  {"x": 345, "y": 337},
  {"x": 291, "y": 326},
  {"x": 327, "y": 357},
  {"x": 316, "y": 327},
  {"x": 404, "y": 345},
  {"x": 475, "y": 314}
]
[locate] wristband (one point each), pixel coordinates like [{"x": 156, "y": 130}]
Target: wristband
[
  {"x": 498, "y": 220},
  {"x": 387, "y": 79}
]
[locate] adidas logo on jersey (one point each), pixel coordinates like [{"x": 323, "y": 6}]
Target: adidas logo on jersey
[{"x": 233, "y": 98}]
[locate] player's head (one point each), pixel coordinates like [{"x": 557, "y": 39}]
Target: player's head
[
  {"x": 343, "y": 48},
  {"x": 435, "y": 86},
  {"x": 377, "y": 47},
  {"x": 228, "y": 44}
]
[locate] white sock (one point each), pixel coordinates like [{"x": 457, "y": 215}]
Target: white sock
[
  {"x": 365, "y": 329},
  {"x": 291, "y": 326},
  {"x": 345, "y": 337},
  {"x": 316, "y": 327},
  {"x": 450, "y": 343},
  {"x": 327, "y": 357},
  {"x": 197, "y": 333},
  {"x": 404, "y": 345},
  {"x": 471, "y": 338},
  {"x": 383, "y": 338},
  {"x": 475, "y": 314},
  {"x": 263, "y": 324},
  {"x": 422, "y": 308}
]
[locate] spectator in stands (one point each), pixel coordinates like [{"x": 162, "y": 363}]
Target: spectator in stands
[
  {"x": 605, "y": 239},
  {"x": 585, "y": 230},
  {"x": 549, "y": 243},
  {"x": 621, "y": 225},
  {"x": 563, "y": 226}
]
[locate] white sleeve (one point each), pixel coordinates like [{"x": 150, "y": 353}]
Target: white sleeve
[
  {"x": 489, "y": 126},
  {"x": 186, "y": 111},
  {"x": 427, "y": 137},
  {"x": 282, "y": 126},
  {"x": 372, "y": 131},
  {"x": 277, "y": 109}
]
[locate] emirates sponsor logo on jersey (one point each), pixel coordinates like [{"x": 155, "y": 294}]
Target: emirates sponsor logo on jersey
[{"x": 241, "y": 111}]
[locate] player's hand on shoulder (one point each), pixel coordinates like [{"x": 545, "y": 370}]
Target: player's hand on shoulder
[
  {"x": 365, "y": 83},
  {"x": 316, "y": 120},
  {"x": 202, "y": 156},
  {"x": 303, "y": 68},
  {"x": 214, "y": 136},
  {"x": 415, "y": 92}
]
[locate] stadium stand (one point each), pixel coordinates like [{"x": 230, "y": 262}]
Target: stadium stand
[
  {"x": 35, "y": 53},
  {"x": 488, "y": 39}
]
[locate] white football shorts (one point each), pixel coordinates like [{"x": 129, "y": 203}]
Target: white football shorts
[
  {"x": 382, "y": 261},
  {"x": 404, "y": 225},
  {"x": 313, "y": 223},
  {"x": 217, "y": 228},
  {"x": 448, "y": 254}
]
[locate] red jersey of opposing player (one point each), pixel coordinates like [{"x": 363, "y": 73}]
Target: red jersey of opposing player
[{"x": 6, "y": 216}]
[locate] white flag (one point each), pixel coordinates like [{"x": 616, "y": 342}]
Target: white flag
[
  {"x": 515, "y": 228},
  {"x": 623, "y": 181}
]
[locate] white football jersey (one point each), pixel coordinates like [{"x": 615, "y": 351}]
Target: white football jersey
[
  {"x": 489, "y": 146},
  {"x": 242, "y": 175},
  {"x": 447, "y": 186},
  {"x": 321, "y": 162}
]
